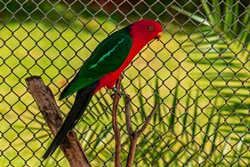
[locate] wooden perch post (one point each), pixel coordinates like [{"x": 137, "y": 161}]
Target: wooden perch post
[{"x": 46, "y": 103}]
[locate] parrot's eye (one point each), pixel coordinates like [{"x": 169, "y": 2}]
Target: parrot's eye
[{"x": 151, "y": 28}]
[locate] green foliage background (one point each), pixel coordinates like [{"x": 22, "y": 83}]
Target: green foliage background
[{"x": 198, "y": 72}]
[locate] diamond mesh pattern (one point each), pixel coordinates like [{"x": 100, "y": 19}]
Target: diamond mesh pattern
[{"x": 198, "y": 72}]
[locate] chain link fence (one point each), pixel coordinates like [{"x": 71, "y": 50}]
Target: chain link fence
[{"x": 198, "y": 72}]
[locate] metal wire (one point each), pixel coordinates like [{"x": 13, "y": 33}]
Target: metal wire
[{"x": 198, "y": 72}]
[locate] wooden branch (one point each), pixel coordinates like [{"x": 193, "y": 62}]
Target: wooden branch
[
  {"x": 148, "y": 120},
  {"x": 128, "y": 117},
  {"x": 115, "y": 124},
  {"x": 46, "y": 103},
  {"x": 134, "y": 135}
]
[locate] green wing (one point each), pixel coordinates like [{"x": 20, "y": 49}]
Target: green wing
[{"x": 107, "y": 57}]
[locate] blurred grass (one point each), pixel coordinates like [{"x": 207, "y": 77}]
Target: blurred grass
[{"x": 157, "y": 74}]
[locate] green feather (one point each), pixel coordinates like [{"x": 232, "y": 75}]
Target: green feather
[{"x": 107, "y": 57}]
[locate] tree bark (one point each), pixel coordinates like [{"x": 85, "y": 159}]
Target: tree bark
[
  {"x": 115, "y": 124},
  {"x": 46, "y": 103},
  {"x": 131, "y": 154}
]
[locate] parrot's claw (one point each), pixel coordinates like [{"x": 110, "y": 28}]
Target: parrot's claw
[
  {"x": 116, "y": 91},
  {"x": 121, "y": 76}
]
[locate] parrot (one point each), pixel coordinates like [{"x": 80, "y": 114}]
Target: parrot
[{"x": 103, "y": 68}]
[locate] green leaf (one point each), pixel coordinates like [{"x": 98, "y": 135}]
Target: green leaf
[
  {"x": 208, "y": 128},
  {"x": 208, "y": 11},
  {"x": 187, "y": 107},
  {"x": 173, "y": 110},
  {"x": 195, "y": 116},
  {"x": 213, "y": 146},
  {"x": 217, "y": 13},
  {"x": 191, "y": 15}
]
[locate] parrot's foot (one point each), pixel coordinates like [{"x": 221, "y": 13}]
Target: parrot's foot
[
  {"x": 121, "y": 76},
  {"x": 116, "y": 91}
]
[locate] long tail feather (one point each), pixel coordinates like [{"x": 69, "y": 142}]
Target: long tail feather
[{"x": 82, "y": 100}]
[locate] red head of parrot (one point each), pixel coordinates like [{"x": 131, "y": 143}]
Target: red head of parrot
[{"x": 145, "y": 30}]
